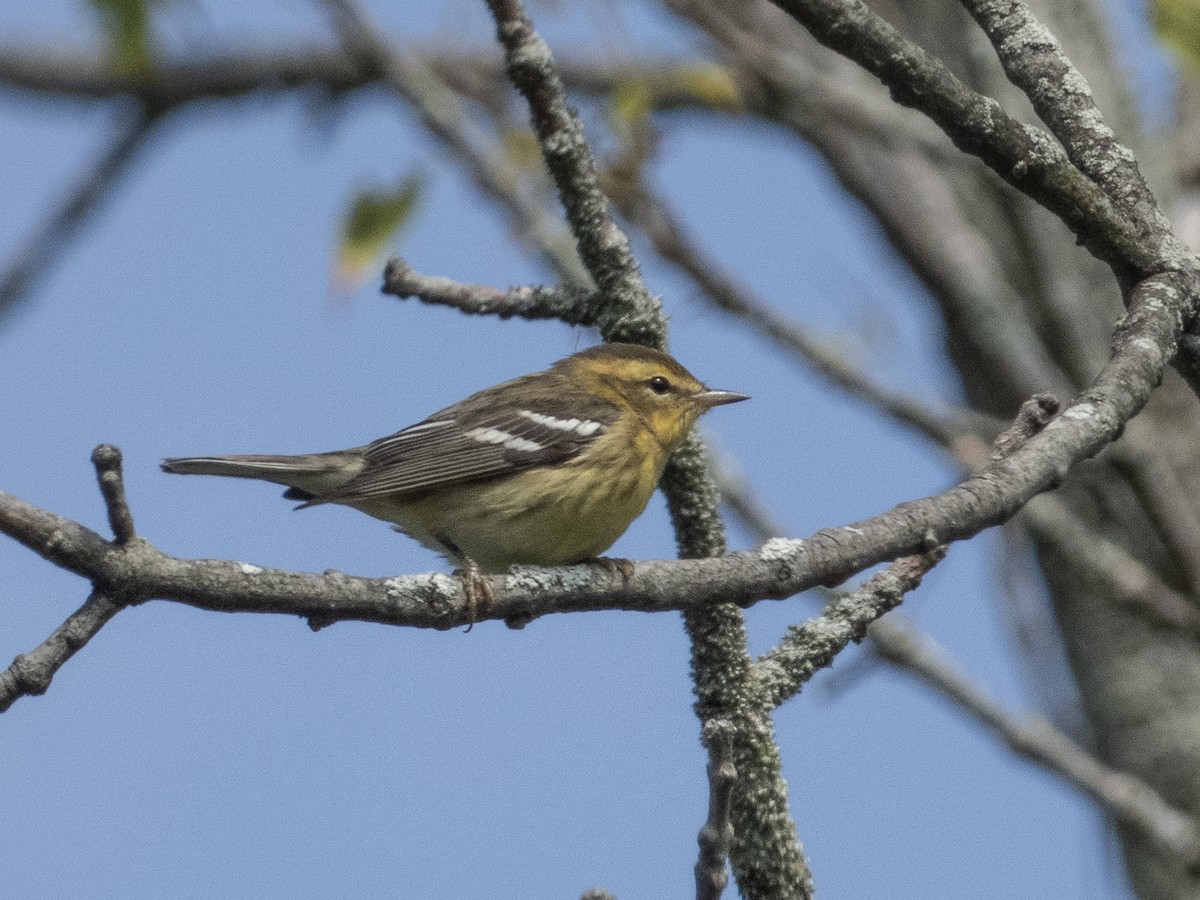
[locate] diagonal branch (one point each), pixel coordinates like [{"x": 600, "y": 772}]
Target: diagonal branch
[
  {"x": 1035, "y": 62},
  {"x": 1130, "y": 800},
  {"x": 31, "y": 673},
  {"x": 1024, "y": 156},
  {"x": 41, "y": 248},
  {"x": 808, "y": 648}
]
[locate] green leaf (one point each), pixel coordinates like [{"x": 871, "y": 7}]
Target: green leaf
[
  {"x": 1177, "y": 23},
  {"x": 374, "y": 219},
  {"x": 127, "y": 26}
]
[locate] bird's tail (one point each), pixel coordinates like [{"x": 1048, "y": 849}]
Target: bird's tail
[{"x": 308, "y": 476}]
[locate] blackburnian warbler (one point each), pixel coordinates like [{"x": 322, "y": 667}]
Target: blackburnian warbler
[{"x": 547, "y": 469}]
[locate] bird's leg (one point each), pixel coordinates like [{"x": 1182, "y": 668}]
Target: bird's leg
[{"x": 476, "y": 589}]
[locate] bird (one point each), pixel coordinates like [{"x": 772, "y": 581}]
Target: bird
[{"x": 547, "y": 469}]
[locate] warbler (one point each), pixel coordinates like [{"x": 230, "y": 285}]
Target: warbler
[{"x": 547, "y": 469}]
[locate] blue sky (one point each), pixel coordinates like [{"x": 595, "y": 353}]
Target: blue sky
[{"x": 191, "y": 754}]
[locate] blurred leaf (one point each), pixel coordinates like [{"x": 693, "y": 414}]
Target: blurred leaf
[
  {"x": 709, "y": 83},
  {"x": 127, "y": 26},
  {"x": 632, "y": 102},
  {"x": 1177, "y": 23},
  {"x": 374, "y": 219},
  {"x": 522, "y": 149}
]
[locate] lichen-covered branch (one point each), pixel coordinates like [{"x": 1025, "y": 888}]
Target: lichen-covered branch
[
  {"x": 568, "y": 302},
  {"x": 1034, "y": 60},
  {"x": 1024, "y": 156}
]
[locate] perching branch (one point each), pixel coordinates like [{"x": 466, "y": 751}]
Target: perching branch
[{"x": 780, "y": 568}]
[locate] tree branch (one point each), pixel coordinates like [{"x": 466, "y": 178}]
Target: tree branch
[
  {"x": 31, "y": 673},
  {"x": 1127, "y": 798},
  {"x": 1024, "y": 156},
  {"x": 602, "y": 245},
  {"x": 34, "y": 258},
  {"x": 808, "y": 648},
  {"x": 566, "y": 302},
  {"x": 1035, "y": 62},
  {"x": 716, "y": 836}
]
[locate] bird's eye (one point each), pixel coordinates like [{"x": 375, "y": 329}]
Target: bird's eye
[{"x": 659, "y": 385}]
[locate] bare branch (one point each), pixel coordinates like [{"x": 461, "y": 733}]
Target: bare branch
[
  {"x": 1127, "y": 798},
  {"x": 567, "y": 302},
  {"x": 107, "y": 460},
  {"x": 39, "y": 251},
  {"x": 1024, "y": 156},
  {"x": 1035, "y": 62},
  {"x": 716, "y": 837},
  {"x": 31, "y": 673}
]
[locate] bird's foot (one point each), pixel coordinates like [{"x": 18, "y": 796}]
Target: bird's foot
[
  {"x": 476, "y": 589},
  {"x": 622, "y": 567}
]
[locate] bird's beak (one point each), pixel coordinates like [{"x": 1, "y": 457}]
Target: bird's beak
[{"x": 708, "y": 399}]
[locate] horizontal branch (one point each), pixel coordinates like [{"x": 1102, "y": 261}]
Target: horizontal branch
[
  {"x": 778, "y": 569},
  {"x": 570, "y": 303}
]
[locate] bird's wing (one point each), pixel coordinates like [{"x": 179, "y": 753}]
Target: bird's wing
[{"x": 479, "y": 438}]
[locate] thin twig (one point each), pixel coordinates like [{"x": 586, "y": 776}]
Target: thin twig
[
  {"x": 107, "y": 460},
  {"x": 1128, "y": 799},
  {"x": 93, "y": 185},
  {"x": 566, "y": 302}
]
